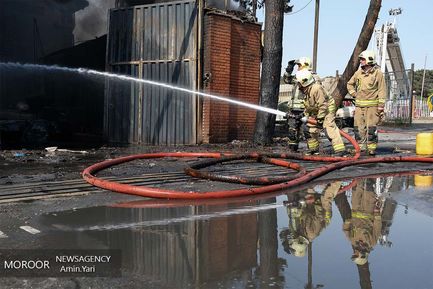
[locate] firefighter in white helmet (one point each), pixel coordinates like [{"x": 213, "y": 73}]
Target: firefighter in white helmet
[
  {"x": 302, "y": 63},
  {"x": 368, "y": 88},
  {"x": 307, "y": 216},
  {"x": 321, "y": 107},
  {"x": 363, "y": 226},
  {"x": 296, "y": 103}
]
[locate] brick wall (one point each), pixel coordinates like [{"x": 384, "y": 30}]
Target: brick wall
[{"x": 232, "y": 57}]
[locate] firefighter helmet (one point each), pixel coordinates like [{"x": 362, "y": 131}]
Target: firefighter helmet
[
  {"x": 303, "y": 62},
  {"x": 304, "y": 77},
  {"x": 369, "y": 57},
  {"x": 360, "y": 259},
  {"x": 298, "y": 246}
]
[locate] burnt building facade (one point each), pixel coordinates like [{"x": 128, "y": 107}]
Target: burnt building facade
[
  {"x": 188, "y": 44},
  {"x": 207, "y": 46},
  {"x": 39, "y": 106}
]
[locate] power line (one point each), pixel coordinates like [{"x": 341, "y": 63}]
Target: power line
[{"x": 300, "y": 9}]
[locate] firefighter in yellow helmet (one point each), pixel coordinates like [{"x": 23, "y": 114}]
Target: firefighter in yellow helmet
[
  {"x": 304, "y": 63},
  {"x": 320, "y": 106},
  {"x": 368, "y": 88}
]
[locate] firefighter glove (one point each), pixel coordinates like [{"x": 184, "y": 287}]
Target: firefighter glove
[
  {"x": 290, "y": 66},
  {"x": 380, "y": 112},
  {"x": 320, "y": 122},
  {"x": 287, "y": 78}
]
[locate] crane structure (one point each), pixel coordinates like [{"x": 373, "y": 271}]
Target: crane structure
[{"x": 390, "y": 57}]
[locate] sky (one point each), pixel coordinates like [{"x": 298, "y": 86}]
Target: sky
[{"x": 340, "y": 24}]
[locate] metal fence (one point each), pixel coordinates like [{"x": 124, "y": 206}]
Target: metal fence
[
  {"x": 402, "y": 106},
  {"x": 156, "y": 42},
  {"x": 398, "y": 110},
  {"x": 421, "y": 108},
  {"x": 398, "y": 104}
]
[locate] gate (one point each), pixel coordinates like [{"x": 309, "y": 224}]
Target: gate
[
  {"x": 404, "y": 105},
  {"x": 398, "y": 104},
  {"x": 423, "y": 105},
  {"x": 155, "y": 42}
]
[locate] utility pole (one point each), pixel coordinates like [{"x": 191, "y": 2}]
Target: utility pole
[
  {"x": 411, "y": 106},
  {"x": 423, "y": 77},
  {"x": 254, "y": 8},
  {"x": 316, "y": 35}
]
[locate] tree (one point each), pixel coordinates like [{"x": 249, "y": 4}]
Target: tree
[
  {"x": 428, "y": 82},
  {"x": 364, "y": 38},
  {"x": 271, "y": 69}
]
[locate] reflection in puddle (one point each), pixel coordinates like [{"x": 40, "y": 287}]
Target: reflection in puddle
[
  {"x": 195, "y": 217},
  {"x": 366, "y": 233},
  {"x": 366, "y": 219}
]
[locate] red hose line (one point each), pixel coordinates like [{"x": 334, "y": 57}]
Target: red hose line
[
  {"x": 173, "y": 194},
  {"x": 164, "y": 203},
  {"x": 194, "y": 171}
]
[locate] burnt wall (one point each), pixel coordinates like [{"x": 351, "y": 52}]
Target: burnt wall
[
  {"x": 232, "y": 59},
  {"x": 49, "y": 106}
]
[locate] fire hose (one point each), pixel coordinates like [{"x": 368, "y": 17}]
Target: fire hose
[
  {"x": 162, "y": 203},
  {"x": 271, "y": 184}
]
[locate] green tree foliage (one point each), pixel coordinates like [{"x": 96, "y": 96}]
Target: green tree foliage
[{"x": 428, "y": 82}]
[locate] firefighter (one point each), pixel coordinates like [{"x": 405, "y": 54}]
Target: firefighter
[
  {"x": 307, "y": 218},
  {"x": 321, "y": 107},
  {"x": 305, "y": 63},
  {"x": 301, "y": 63},
  {"x": 430, "y": 104},
  {"x": 363, "y": 227},
  {"x": 368, "y": 88},
  {"x": 296, "y": 104}
]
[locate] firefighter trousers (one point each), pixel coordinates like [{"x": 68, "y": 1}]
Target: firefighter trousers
[
  {"x": 294, "y": 131},
  {"x": 312, "y": 134},
  {"x": 365, "y": 127}
]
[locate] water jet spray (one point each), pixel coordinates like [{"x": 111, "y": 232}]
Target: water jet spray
[{"x": 139, "y": 80}]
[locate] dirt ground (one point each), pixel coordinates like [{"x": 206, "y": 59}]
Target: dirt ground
[
  {"x": 22, "y": 166},
  {"x": 29, "y": 172}
]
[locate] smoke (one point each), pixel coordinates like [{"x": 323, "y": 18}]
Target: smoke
[
  {"x": 220, "y": 4},
  {"x": 91, "y": 22}
]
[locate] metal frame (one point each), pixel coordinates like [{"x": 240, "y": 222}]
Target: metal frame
[{"x": 159, "y": 51}]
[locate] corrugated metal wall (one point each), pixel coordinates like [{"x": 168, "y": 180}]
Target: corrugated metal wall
[
  {"x": 155, "y": 42},
  {"x": 182, "y": 253},
  {"x": 160, "y": 253}
]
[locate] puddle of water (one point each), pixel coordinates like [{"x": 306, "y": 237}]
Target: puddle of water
[{"x": 375, "y": 234}]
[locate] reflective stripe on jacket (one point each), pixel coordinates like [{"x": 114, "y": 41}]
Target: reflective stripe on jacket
[{"x": 368, "y": 87}]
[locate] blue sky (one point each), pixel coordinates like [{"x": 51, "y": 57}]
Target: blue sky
[{"x": 340, "y": 25}]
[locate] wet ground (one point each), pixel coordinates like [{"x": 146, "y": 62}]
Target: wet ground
[
  {"x": 286, "y": 241},
  {"x": 343, "y": 231}
]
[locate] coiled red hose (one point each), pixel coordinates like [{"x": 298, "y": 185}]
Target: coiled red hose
[
  {"x": 162, "y": 203},
  {"x": 339, "y": 162},
  {"x": 194, "y": 172}
]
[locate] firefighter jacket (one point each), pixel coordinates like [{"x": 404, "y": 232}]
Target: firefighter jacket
[
  {"x": 368, "y": 87},
  {"x": 317, "y": 102},
  {"x": 312, "y": 218},
  {"x": 297, "y": 100},
  {"x": 312, "y": 221},
  {"x": 365, "y": 223}
]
